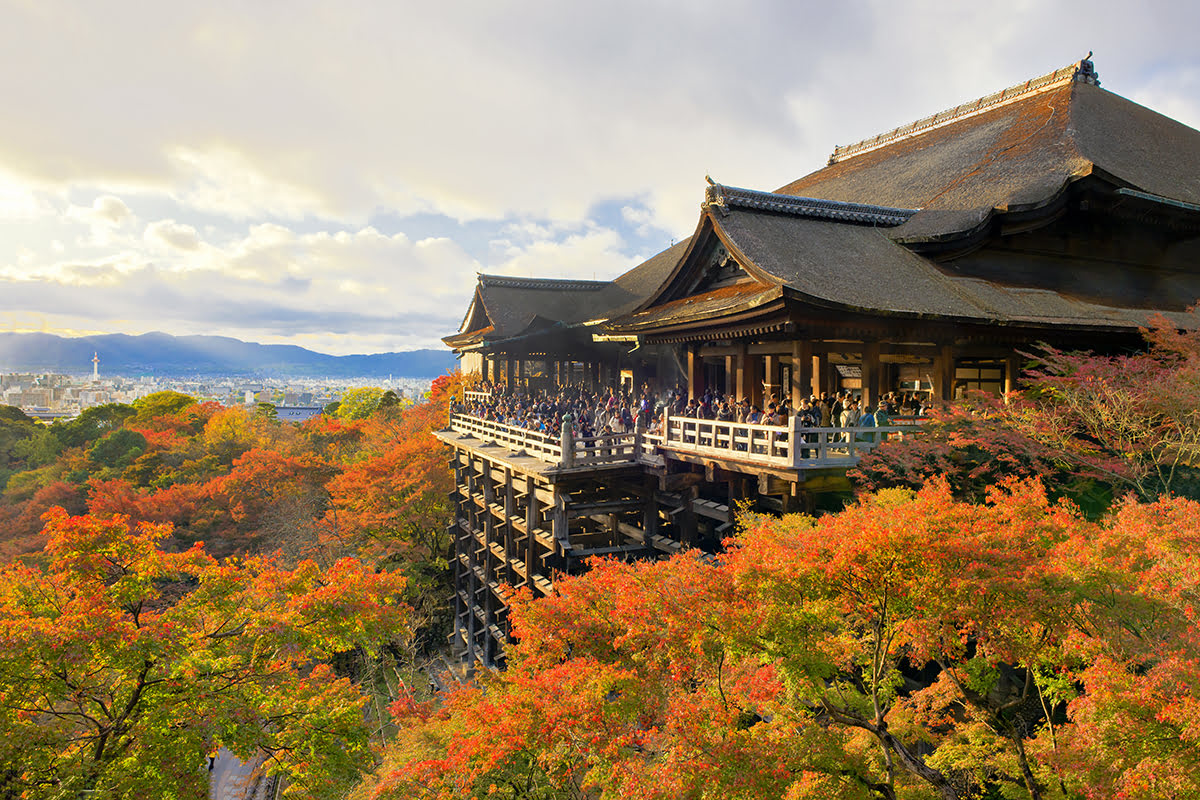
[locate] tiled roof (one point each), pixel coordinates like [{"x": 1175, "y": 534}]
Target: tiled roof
[
  {"x": 723, "y": 198},
  {"x": 1016, "y": 154},
  {"x": 1083, "y": 71}
]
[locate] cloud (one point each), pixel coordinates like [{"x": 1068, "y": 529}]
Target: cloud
[
  {"x": 267, "y": 147},
  {"x": 171, "y": 234},
  {"x": 594, "y": 254},
  {"x": 273, "y": 281}
]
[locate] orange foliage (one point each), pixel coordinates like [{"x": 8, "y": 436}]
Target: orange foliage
[{"x": 912, "y": 646}]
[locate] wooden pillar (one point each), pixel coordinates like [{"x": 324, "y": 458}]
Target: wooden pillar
[
  {"x": 560, "y": 529},
  {"x": 770, "y": 376},
  {"x": 695, "y": 367},
  {"x": 509, "y": 378},
  {"x": 1012, "y": 371},
  {"x": 688, "y": 524},
  {"x": 943, "y": 373},
  {"x": 743, "y": 374},
  {"x": 510, "y": 537},
  {"x": 754, "y": 383},
  {"x": 730, "y": 376},
  {"x": 491, "y": 571},
  {"x": 802, "y": 371},
  {"x": 533, "y": 521},
  {"x": 650, "y": 508},
  {"x": 870, "y": 373},
  {"x": 472, "y": 581},
  {"x": 822, "y": 382}
]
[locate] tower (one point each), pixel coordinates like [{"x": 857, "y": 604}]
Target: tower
[{"x": 95, "y": 367}]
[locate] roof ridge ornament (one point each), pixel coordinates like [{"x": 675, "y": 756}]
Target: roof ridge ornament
[
  {"x": 723, "y": 198},
  {"x": 558, "y": 284},
  {"x": 1082, "y": 71}
]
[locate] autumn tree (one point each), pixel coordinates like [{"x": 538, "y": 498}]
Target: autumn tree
[
  {"x": 972, "y": 444},
  {"x": 914, "y": 646},
  {"x": 1133, "y": 418},
  {"x": 390, "y": 501},
  {"x": 1092, "y": 426},
  {"x": 123, "y": 666}
]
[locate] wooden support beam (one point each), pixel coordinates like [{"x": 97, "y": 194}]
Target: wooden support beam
[
  {"x": 695, "y": 368},
  {"x": 802, "y": 371},
  {"x": 559, "y": 526},
  {"x": 532, "y": 523},
  {"x": 769, "y": 484},
  {"x": 770, "y": 378},
  {"x": 650, "y": 506},
  {"x": 870, "y": 373},
  {"x": 823, "y": 382},
  {"x": 678, "y": 480},
  {"x": 582, "y": 509},
  {"x": 743, "y": 374},
  {"x": 510, "y": 508},
  {"x": 943, "y": 373},
  {"x": 686, "y": 519},
  {"x": 1012, "y": 371}
]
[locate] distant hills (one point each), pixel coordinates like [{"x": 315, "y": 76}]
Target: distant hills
[{"x": 161, "y": 354}]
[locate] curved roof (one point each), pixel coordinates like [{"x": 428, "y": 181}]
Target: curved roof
[
  {"x": 1018, "y": 156},
  {"x": 506, "y": 307}
]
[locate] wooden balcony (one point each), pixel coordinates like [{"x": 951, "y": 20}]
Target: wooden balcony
[{"x": 774, "y": 447}]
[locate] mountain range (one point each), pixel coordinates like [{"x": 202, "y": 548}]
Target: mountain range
[{"x": 161, "y": 354}]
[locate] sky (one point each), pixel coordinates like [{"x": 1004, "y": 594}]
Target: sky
[{"x": 334, "y": 175}]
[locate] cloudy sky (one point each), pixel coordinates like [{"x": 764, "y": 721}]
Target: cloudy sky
[{"x": 333, "y": 174}]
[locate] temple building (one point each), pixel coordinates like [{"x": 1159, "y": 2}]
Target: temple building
[{"x": 924, "y": 259}]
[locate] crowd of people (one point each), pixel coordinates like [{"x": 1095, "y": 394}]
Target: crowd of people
[{"x": 595, "y": 412}]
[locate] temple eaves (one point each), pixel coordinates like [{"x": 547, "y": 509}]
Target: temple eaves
[
  {"x": 1083, "y": 71},
  {"x": 723, "y": 198}
]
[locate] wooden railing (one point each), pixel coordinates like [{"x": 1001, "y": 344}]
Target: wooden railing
[
  {"x": 534, "y": 443},
  {"x": 790, "y": 446},
  {"x": 609, "y": 448},
  {"x": 786, "y": 446}
]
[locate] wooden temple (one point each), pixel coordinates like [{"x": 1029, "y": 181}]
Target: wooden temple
[{"x": 923, "y": 259}]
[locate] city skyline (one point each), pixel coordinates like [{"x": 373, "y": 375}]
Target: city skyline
[{"x": 334, "y": 177}]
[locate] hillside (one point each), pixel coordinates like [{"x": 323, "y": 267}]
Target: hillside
[{"x": 166, "y": 355}]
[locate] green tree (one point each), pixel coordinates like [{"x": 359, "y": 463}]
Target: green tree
[
  {"x": 359, "y": 403},
  {"x": 118, "y": 449},
  {"x": 15, "y": 429},
  {"x": 160, "y": 404},
  {"x": 92, "y": 424},
  {"x": 122, "y": 666}
]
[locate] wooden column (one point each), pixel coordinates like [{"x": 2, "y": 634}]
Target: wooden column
[
  {"x": 821, "y": 369},
  {"x": 1012, "y": 371},
  {"x": 509, "y": 378},
  {"x": 472, "y": 581},
  {"x": 510, "y": 536},
  {"x": 943, "y": 373},
  {"x": 802, "y": 371},
  {"x": 730, "y": 375},
  {"x": 560, "y": 529},
  {"x": 741, "y": 368},
  {"x": 650, "y": 508},
  {"x": 754, "y": 384},
  {"x": 695, "y": 367},
  {"x": 533, "y": 521},
  {"x": 870, "y": 373},
  {"x": 770, "y": 376}
]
